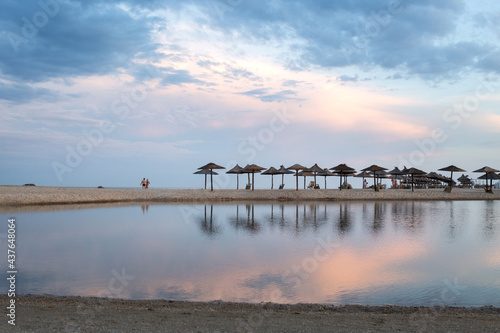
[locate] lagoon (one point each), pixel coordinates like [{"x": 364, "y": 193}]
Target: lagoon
[{"x": 372, "y": 252}]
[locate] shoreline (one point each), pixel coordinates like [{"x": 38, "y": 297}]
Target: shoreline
[
  {"x": 39, "y": 195},
  {"x": 72, "y": 314}
]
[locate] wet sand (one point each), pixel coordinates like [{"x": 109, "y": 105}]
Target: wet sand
[
  {"x": 34, "y": 195},
  {"x": 76, "y": 314}
]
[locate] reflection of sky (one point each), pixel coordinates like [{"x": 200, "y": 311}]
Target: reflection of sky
[{"x": 409, "y": 253}]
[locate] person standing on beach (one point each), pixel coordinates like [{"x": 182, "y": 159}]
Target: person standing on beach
[
  {"x": 147, "y": 183},
  {"x": 143, "y": 183}
]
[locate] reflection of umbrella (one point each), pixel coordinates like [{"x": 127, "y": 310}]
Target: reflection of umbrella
[
  {"x": 363, "y": 175},
  {"x": 283, "y": 171},
  {"x": 211, "y": 166},
  {"x": 413, "y": 172},
  {"x": 236, "y": 170},
  {"x": 271, "y": 171},
  {"x": 206, "y": 172},
  {"x": 342, "y": 169},
  {"x": 489, "y": 174},
  {"x": 374, "y": 168},
  {"x": 297, "y": 167},
  {"x": 451, "y": 168},
  {"x": 315, "y": 169},
  {"x": 325, "y": 173},
  {"x": 252, "y": 168}
]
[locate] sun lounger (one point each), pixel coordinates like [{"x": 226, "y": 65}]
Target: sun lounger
[
  {"x": 282, "y": 186},
  {"x": 248, "y": 187}
]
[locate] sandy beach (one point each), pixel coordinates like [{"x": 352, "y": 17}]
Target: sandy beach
[
  {"x": 76, "y": 314},
  {"x": 34, "y": 195}
]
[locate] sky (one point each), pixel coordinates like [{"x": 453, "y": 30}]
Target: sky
[{"x": 105, "y": 93}]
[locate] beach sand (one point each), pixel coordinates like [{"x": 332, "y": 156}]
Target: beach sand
[
  {"x": 34, "y": 195},
  {"x": 76, "y": 314}
]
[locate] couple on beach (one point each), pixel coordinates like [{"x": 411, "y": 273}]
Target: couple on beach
[{"x": 145, "y": 183}]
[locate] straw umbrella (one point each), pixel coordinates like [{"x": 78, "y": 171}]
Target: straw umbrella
[
  {"x": 374, "y": 168},
  {"x": 283, "y": 171},
  {"x": 413, "y": 172},
  {"x": 325, "y": 173},
  {"x": 464, "y": 180},
  {"x": 315, "y": 169},
  {"x": 396, "y": 173},
  {"x": 205, "y": 172},
  {"x": 451, "y": 168},
  {"x": 271, "y": 171},
  {"x": 236, "y": 170},
  {"x": 305, "y": 173},
  {"x": 342, "y": 169},
  {"x": 489, "y": 174},
  {"x": 252, "y": 168},
  {"x": 297, "y": 167},
  {"x": 211, "y": 166},
  {"x": 363, "y": 175}
]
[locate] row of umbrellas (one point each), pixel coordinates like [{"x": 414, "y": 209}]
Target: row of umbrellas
[{"x": 342, "y": 170}]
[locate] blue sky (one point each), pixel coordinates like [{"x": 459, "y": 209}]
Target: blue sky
[{"x": 108, "y": 92}]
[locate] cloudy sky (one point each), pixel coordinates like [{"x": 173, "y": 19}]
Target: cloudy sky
[{"x": 108, "y": 92}]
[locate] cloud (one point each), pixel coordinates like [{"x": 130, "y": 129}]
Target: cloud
[
  {"x": 23, "y": 93},
  {"x": 347, "y": 78},
  {"x": 264, "y": 95},
  {"x": 75, "y": 41}
]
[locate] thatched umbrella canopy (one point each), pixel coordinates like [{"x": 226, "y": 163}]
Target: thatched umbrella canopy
[
  {"x": 205, "y": 172},
  {"x": 489, "y": 174},
  {"x": 451, "y": 168},
  {"x": 315, "y": 169},
  {"x": 373, "y": 169},
  {"x": 341, "y": 170},
  {"x": 325, "y": 173},
  {"x": 283, "y": 171},
  {"x": 252, "y": 168},
  {"x": 271, "y": 171},
  {"x": 236, "y": 170},
  {"x": 297, "y": 167},
  {"x": 413, "y": 172},
  {"x": 465, "y": 180},
  {"x": 211, "y": 166},
  {"x": 305, "y": 173},
  {"x": 364, "y": 174}
]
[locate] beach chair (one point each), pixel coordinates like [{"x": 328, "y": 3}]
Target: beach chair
[
  {"x": 316, "y": 187},
  {"x": 311, "y": 185},
  {"x": 282, "y": 186},
  {"x": 248, "y": 187}
]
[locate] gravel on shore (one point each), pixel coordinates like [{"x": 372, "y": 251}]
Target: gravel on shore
[
  {"x": 77, "y": 314},
  {"x": 35, "y": 195}
]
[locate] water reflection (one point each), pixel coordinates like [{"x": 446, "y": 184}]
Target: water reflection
[{"x": 340, "y": 252}]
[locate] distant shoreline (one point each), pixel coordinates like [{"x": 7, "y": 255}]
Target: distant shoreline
[{"x": 39, "y": 195}]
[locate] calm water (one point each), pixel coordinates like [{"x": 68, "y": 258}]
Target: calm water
[{"x": 405, "y": 253}]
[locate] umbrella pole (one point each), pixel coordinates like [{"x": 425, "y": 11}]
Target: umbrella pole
[
  {"x": 340, "y": 182},
  {"x": 211, "y": 180},
  {"x": 205, "y": 181},
  {"x": 272, "y": 182},
  {"x": 282, "y": 178},
  {"x": 325, "y": 182},
  {"x": 237, "y": 181},
  {"x": 253, "y": 179},
  {"x": 297, "y": 178},
  {"x": 304, "y": 182},
  {"x": 412, "y": 182}
]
